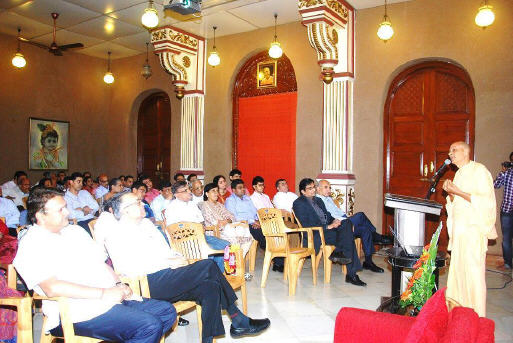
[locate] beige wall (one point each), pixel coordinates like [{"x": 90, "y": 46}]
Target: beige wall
[
  {"x": 432, "y": 29},
  {"x": 235, "y": 50}
]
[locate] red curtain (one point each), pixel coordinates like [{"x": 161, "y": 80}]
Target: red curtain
[{"x": 267, "y": 139}]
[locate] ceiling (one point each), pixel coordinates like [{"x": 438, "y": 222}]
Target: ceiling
[{"x": 114, "y": 25}]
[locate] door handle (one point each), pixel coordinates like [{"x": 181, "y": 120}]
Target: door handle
[
  {"x": 431, "y": 167},
  {"x": 158, "y": 164},
  {"x": 425, "y": 169}
]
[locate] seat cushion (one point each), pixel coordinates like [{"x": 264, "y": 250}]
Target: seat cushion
[{"x": 431, "y": 323}]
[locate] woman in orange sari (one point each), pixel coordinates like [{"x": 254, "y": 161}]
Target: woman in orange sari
[{"x": 220, "y": 181}]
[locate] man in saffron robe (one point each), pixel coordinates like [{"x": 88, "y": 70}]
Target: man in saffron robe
[{"x": 471, "y": 214}]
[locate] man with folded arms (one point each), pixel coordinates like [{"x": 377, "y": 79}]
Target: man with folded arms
[
  {"x": 60, "y": 260},
  {"x": 311, "y": 212},
  {"x": 136, "y": 247},
  {"x": 81, "y": 205}
]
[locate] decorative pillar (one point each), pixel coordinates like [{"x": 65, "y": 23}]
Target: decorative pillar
[
  {"x": 330, "y": 25},
  {"x": 182, "y": 55}
]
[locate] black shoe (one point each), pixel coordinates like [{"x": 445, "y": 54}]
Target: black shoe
[
  {"x": 277, "y": 268},
  {"x": 355, "y": 280},
  {"x": 182, "y": 322},
  {"x": 339, "y": 257},
  {"x": 255, "y": 326},
  {"x": 372, "y": 267},
  {"x": 381, "y": 239}
]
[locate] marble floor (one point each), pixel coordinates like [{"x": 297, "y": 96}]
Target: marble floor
[{"x": 309, "y": 316}]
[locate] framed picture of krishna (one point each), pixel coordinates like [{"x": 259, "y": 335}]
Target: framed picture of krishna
[{"x": 48, "y": 144}]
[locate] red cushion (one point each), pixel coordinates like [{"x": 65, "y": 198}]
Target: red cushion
[
  {"x": 431, "y": 322},
  {"x": 462, "y": 326},
  {"x": 355, "y": 325},
  {"x": 485, "y": 333}
]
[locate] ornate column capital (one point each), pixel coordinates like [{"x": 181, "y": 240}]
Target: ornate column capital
[
  {"x": 330, "y": 25},
  {"x": 182, "y": 55}
]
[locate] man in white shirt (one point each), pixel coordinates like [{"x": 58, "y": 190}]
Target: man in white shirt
[
  {"x": 81, "y": 205},
  {"x": 259, "y": 198},
  {"x": 182, "y": 209},
  {"x": 162, "y": 200},
  {"x": 197, "y": 191},
  {"x": 60, "y": 260},
  {"x": 136, "y": 247},
  {"x": 18, "y": 193},
  {"x": 103, "y": 188},
  {"x": 10, "y": 212},
  {"x": 283, "y": 199},
  {"x": 14, "y": 182}
]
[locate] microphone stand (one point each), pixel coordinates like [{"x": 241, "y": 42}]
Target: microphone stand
[{"x": 434, "y": 182}]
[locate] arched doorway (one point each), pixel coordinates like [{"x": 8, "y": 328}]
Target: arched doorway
[
  {"x": 264, "y": 121},
  {"x": 429, "y": 106},
  {"x": 154, "y": 137}
]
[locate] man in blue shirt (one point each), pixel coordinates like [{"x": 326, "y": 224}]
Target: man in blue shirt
[
  {"x": 241, "y": 206},
  {"x": 363, "y": 228}
]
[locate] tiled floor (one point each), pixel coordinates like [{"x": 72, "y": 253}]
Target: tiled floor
[{"x": 309, "y": 316}]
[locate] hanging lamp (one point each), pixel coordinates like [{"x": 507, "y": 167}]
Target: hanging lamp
[
  {"x": 146, "y": 69},
  {"x": 213, "y": 58},
  {"x": 485, "y": 16},
  {"x": 275, "y": 50},
  {"x": 150, "y": 17},
  {"x": 385, "y": 30},
  {"x": 19, "y": 60},
  {"x": 108, "y": 77}
]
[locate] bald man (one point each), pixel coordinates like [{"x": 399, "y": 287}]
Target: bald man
[{"x": 471, "y": 218}]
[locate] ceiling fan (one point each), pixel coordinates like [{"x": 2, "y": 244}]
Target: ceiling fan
[{"x": 54, "y": 48}]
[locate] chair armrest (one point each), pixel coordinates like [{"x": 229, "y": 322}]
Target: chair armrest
[
  {"x": 214, "y": 229},
  {"x": 16, "y": 301}
]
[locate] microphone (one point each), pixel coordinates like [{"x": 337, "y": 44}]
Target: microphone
[{"x": 442, "y": 168}]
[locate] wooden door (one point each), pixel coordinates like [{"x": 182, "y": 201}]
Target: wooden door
[
  {"x": 429, "y": 106},
  {"x": 154, "y": 138}
]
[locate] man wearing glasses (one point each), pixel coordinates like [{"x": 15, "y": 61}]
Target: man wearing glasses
[
  {"x": 311, "y": 212},
  {"x": 197, "y": 191},
  {"x": 103, "y": 188}
]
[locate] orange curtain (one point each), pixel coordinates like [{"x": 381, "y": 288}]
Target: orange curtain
[{"x": 267, "y": 139}]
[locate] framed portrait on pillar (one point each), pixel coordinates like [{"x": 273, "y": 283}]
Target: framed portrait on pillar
[
  {"x": 267, "y": 74},
  {"x": 48, "y": 144}
]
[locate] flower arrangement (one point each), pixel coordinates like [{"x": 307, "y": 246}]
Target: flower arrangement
[{"x": 422, "y": 282}]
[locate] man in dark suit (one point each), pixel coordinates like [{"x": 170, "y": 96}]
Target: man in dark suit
[{"x": 311, "y": 212}]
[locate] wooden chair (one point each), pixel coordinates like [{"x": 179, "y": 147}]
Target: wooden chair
[
  {"x": 326, "y": 250},
  {"x": 277, "y": 245},
  {"x": 189, "y": 240},
  {"x": 23, "y": 307},
  {"x": 91, "y": 225}
]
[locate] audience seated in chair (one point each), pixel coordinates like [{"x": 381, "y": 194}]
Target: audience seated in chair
[
  {"x": 151, "y": 193},
  {"x": 127, "y": 184},
  {"x": 197, "y": 191},
  {"x": 60, "y": 260},
  {"x": 191, "y": 178},
  {"x": 10, "y": 212},
  {"x": 216, "y": 214},
  {"x": 236, "y": 174},
  {"x": 115, "y": 186},
  {"x": 8, "y": 244},
  {"x": 363, "y": 228},
  {"x": 136, "y": 248},
  {"x": 311, "y": 212},
  {"x": 283, "y": 199},
  {"x": 12, "y": 184},
  {"x": 162, "y": 200},
  {"x": 182, "y": 209},
  {"x": 80, "y": 203},
  {"x": 139, "y": 189},
  {"x": 102, "y": 189},
  {"x": 242, "y": 208},
  {"x": 179, "y": 177},
  {"x": 88, "y": 185},
  {"x": 222, "y": 187},
  {"x": 259, "y": 198}
]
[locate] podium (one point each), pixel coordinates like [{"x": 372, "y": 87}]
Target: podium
[
  {"x": 410, "y": 217},
  {"x": 409, "y": 221}
]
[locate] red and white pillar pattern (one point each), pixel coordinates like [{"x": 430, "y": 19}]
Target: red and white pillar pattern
[{"x": 330, "y": 25}]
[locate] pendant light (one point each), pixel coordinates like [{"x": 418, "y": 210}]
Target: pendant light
[
  {"x": 213, "y": 58},
  {"x": 146, "y": 69},
  {"x": 19, "y": 60},
  {"x": 150, "y": 17},
  {"x": 108, "y": 77},
  {"x": 485, "y": 16},
  {"x": 385, "y": 30},
  {"x": 275, "y": 50}
]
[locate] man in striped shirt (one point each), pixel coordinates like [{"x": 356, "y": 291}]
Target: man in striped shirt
[{"x": 505, "y": 178}]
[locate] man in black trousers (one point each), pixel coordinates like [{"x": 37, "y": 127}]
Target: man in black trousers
[{"x": 310, "y": 211}]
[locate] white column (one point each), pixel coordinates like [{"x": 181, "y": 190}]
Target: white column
[{"x": 191, "y": 154}]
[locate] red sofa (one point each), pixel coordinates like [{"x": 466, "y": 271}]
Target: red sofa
[{"x": 433, "y": 324}]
